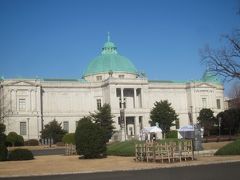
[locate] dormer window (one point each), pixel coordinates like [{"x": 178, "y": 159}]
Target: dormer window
[
  {"x": 99, "y": 78},
  {"x": 121, "y": 76}
]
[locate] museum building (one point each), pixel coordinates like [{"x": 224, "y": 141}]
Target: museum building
[{"x": 28, "y": 104}]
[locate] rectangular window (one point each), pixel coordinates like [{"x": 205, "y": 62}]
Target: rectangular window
[
  {"x": 66, "y": 126},
  {"x": 177, "y": 124},
  {"x": 23, "y": 128},
  {"x": 76, "y": 123},
  {"x": 140, "y": 123},
  {"x": 118, "y": 92},
  {"x": 218, "y": 104},
  {"x": 99, "y": 78},
  {"x": 22, "y": 104},
  {"x": 204, "y": 102},
  {"x": 99, "y": 104},
  {"x": 121, "y": 76}
]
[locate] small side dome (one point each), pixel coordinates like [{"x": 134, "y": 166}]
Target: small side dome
[{"x": 209, "y": 77}]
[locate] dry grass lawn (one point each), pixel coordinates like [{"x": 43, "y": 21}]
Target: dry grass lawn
[
  {"x": 56, "y": 164},
  {"x": 68, "y": 164},
  {"x": 215, "y": 145}
]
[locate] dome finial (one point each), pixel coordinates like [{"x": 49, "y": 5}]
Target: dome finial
[{"x": 108, "y": 37}]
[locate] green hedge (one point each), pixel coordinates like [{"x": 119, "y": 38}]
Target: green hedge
[
  {"x": 69, "y": 138},
  {"x": 172, "y": 134},
  {"x": 3, "y": 148},
  {"x": 230, "y": 149},
  {"x": 3, "y": 152},
  {"x": 31, "y": 142},
  {"x": 13, "y": 139},
  {"x": 20, "y": 154}
]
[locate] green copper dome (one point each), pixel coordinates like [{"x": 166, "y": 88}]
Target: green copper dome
[
  {"x": 110, "y": 61},
  {"x": 209, "y": 77}
]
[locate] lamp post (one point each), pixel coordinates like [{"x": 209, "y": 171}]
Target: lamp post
[
  {"x": 122, "y": 103},
  {"x": 28, "y": 126},
  {"x": 219, "y": 126},
  {"x": 190, "y": 114}
]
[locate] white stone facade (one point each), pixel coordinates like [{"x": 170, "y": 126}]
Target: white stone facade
[{"x": 28, "y": 104}]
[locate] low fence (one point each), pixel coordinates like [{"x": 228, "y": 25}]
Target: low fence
[
  {"x": 166, "y": 151},
  {"x": 70, "y": 149}
]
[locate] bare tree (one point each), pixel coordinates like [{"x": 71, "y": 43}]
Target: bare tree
[
  {"x": 4, "y": 104},
  {"x": 235, "y": 90},
  {"x": 234, "y": 101},
  {"x": 224, "y": 61}
]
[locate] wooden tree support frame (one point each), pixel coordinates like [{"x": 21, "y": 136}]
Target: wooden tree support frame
[
  {"x": 171, "y": 151},
  {"x": 70, "y": 149}
]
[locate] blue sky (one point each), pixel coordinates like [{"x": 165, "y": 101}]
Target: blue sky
[{"x": 58, "y": 38}]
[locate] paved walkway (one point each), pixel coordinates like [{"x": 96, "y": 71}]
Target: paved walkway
[{"x": 44, "y": 152}]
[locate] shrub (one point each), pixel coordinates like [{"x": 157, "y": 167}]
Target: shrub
[
  {"x": 2, "y": 128},
  {"x": 230, "y": 149},
  {"x": 3, "y": 152},
  {"x": 53, "y": 130},
  {"x": 90, "y": 139},
  {"x": 2, "y": 138},
  {"x": 69, "y": 138},
  {"x": 31, "y": 142},
  {"x": 20, "y": 141},
  {"x": 20, "y": 154},
  {"x": 13, "y": 139},
  {"x": 172, "y": 134},
  {"x": 3, "y": 148}
]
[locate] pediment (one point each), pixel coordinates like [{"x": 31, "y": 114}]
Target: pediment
[
  {"x": 21, "y": 83},
  {"x": 204, "y": 85}
]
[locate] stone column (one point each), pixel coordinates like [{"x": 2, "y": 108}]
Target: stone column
[
  {"x": 33, "y": 97},
  {"x": 16, "y": 101},
  {"x": 121, "y": 111},
  {"x": 11, "y": 100},
  {"x": 35, "y": 101},
  {"x": 136, "y": 126},
  {"x": 134, "y": 99},
  {"x": 140, "y": 99},
  {"x": 30, "y": 101},
  {"x": 122, "y": 94}
]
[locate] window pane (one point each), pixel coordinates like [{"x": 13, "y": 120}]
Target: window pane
[
  {"x": 99, "y": 104},
  {"x": 218, "y": 104},
  {"x": 22, "y": 104},
  {"x": 77, "y": 124},
  {"x": 204, "y": 102},
  {"x": 99, "y": 78},
  {"x": 66, "y": 126},
  {"x": 121, "y": 76},
  {"x": 23, "y": 128}
]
